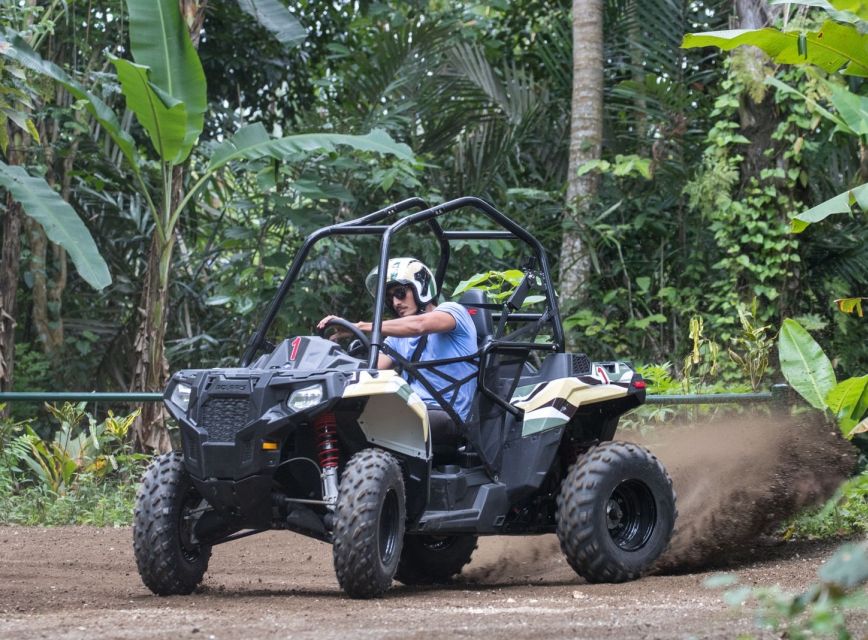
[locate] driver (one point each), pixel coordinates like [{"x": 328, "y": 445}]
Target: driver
[{"x": 411, "y": 296}]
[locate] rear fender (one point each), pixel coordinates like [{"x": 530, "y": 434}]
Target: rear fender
[{"x": 549, "y": 405}]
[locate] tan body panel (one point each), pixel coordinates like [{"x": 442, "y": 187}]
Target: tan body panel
[
  {"x": 394, "y": 416},
  {"x": 552, "y": 404}
]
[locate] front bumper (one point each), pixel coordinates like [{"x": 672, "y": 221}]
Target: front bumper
[{"x": 232, "y": 412}]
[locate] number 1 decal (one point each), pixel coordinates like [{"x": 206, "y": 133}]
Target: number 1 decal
[{"x": 294, "y": 353}]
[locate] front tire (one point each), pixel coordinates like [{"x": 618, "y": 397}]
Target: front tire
[
  {"x": 616, "y": 512},
  {"x": 369, "y": 523},
  {"x": 434, "y": 559},
  {"x": 169, "y": 561}
]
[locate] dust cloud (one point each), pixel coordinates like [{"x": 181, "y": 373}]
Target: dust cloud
[
  {"x": 524, "y": 559},
  {"x": 735, "y": 479}
]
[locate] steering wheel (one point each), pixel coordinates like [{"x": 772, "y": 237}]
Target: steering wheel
[{"x": 356, "y": 350}]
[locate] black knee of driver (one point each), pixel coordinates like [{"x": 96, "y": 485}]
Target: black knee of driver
[{"x": 443, "y": 430}]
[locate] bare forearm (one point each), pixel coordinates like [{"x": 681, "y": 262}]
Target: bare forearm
[
  {"x": 416, "y": 325},
  {"x": 398, "y": 327}
]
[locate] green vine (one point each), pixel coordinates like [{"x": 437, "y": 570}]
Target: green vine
[{"x": 748, "y": 217}]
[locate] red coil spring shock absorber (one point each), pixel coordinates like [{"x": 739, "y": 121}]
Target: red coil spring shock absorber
[{"x": 326, "y": 428}]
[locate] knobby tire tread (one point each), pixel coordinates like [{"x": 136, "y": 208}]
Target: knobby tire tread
[
  {"x": 365, "y": 481},
  {"x": 156, "y": 534},
  {"x": 579, "y": 518}
]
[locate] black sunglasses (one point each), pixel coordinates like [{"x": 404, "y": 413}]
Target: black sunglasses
[{"x": 397, "y": 292}]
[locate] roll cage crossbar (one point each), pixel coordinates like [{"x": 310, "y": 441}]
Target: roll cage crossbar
[{"x": 370, "y": 225}]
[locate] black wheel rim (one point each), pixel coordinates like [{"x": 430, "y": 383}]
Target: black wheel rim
[
  {"x": 631, "y": 515},
  {"x": 389, "y": 527},
  {"x": 189, "y": 549}
]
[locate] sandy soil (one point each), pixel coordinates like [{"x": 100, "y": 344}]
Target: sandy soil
[{"x": 78, "y": 582}]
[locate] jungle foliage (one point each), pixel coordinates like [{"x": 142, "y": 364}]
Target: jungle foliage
[
  {"x": 692, "y": 257},
  {"x": 70, "y": 469}
]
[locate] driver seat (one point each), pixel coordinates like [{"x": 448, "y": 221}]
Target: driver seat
[
  {"x": 445, "y": 447},
  {"x": 472, "y": 299}
]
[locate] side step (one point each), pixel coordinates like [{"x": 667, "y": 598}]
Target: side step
[{"x": 485, "y": 515}]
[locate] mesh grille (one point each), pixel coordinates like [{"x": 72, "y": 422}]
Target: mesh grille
[
  {"x": 581, "y": 364},
  {"x": 222, "y": 418}
]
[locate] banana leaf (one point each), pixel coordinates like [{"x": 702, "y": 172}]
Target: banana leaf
[
  {"x": 275, "y": 17},
  {"x": 841, "y": 203},
  {"x": 15, "y": 48},
  {"x": 849, "y": 401},
  {"x": 832, "y": 47},
  {"x": 804, "y": 365},
  {"x": 841, "y": 10},
  {"x": 163, "y": 117},
  {"x": 160, "y": 41},
  {"x": 253, "y": 142},
  {"x": 60, "y": 221}
]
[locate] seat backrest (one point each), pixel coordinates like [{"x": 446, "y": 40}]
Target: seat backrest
[
  {"x": 489, "y": 422},
  {"x": 481, "y": 316}
]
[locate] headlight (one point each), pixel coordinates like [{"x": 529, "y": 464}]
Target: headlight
[
  {"x": 305, "y": 398},
  {"x": 181, "y": 395}
]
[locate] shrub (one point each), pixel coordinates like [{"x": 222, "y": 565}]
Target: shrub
[
  {"x": 820, "y": 610},
  {"x": 82, "y": 472}
]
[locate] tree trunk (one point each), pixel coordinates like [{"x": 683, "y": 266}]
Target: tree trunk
[
  {"x": 49, "y": 270},
  {"x": 151, "y": 371},
  {"x": 759, "y": 118},
  {"x": 10, "y": 268},
  {"x": 48, "y": 286},
  {"x": 863, "y": 161},
  {"x": 753, "y": 14},
  {"x": 586, "y": 135}
]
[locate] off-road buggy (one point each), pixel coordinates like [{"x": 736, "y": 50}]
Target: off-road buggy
[{"x": 311, "y": 437}]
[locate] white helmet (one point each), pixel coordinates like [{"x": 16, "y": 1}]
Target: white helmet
[{"x": 406, "y": 271}]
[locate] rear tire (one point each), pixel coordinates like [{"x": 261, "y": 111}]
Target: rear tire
[
  {"x": 169, "y": 562},
  {"x": 434, "y": 559},
  {"x": 369, "y": 523},
  {"x": 616, "y": 512}
]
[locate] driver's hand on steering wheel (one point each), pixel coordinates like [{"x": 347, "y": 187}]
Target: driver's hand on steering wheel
[{"x": 339, "y": 333}]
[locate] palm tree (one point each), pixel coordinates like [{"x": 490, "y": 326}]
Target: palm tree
[{"x": 586, "y": 138}]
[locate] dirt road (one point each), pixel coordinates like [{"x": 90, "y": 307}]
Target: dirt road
[
  {"x": 80, "y": 582},
  {"x": 733, "y": 478}
]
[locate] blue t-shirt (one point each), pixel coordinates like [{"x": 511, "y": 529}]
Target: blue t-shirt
[{"x": 461, "y": 341}]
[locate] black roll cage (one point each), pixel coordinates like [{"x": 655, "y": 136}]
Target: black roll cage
[{"x": 367, "y": 225}]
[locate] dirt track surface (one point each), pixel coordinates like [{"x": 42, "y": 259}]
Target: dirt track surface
[{"x": 78, "y": 582}]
